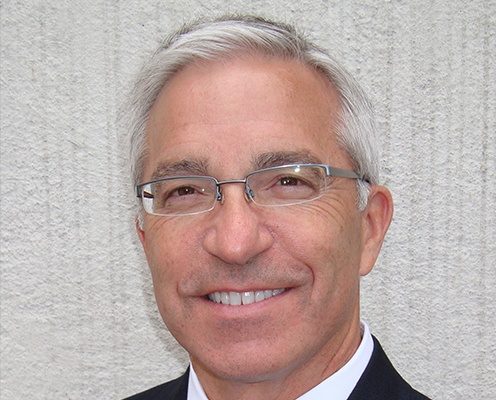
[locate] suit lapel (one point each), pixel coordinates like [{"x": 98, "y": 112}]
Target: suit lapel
[
  {"x": 180, "y": 389},
  {"x": 380, "y": 380}
]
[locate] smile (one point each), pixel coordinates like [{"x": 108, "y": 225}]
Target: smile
[{"x": 242, "y": 298}]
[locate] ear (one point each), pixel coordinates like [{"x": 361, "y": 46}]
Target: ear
[
  {"x": 375, "y": 222},
  {"x": 139, "y": 230}
]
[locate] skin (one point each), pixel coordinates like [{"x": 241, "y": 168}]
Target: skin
[{"x": 221, "y": 117}]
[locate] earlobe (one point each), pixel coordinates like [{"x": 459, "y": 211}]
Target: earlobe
[{"x": 376, "y": 219}]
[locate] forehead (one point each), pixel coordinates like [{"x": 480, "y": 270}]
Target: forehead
[{"x": 231, "y": 111}]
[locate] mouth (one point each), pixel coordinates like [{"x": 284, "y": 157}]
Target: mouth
[{"x": 243, "y": 298}]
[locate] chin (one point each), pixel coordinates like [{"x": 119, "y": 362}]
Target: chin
[{"x": 249, "y": 365}]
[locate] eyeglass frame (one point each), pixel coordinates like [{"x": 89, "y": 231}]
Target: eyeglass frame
[{"x": 329, "y": 171}]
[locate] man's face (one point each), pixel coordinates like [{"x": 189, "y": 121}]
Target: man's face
[{"x": 227, "y": 119}]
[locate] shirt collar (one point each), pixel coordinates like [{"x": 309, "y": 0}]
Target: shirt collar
[
  {"x": 338, "y": 386},
  {"x": 195, "y": 389}
]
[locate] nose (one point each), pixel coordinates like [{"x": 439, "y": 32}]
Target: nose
[{"x": 236, "y": 231}]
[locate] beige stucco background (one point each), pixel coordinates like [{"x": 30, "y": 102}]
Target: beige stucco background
[{"x": 77, "y": 315}]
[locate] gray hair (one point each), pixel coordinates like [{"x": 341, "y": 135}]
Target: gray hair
[{"x": 227, "y": 36}]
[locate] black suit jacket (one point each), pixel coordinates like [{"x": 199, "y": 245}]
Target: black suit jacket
[{"x": 379, "y": 381}]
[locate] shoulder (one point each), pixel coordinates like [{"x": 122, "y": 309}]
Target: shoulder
[
  {"x": 380, "y": 380},
  {"x": 176, "y": 389}
]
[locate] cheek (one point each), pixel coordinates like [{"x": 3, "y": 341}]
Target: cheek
[
  {"x": 324, "y": 232},
  {"x": 165, "y": 252},
  {"x": 326, "y": 240},
  {"x": 167, "y": 257}
]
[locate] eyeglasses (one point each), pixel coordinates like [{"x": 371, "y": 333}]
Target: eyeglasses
[{"x": 276, "y": 186}]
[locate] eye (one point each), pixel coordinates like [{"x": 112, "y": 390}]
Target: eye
[
  {"x": 175, "y": 193},
  {"x": 290, "y": 187},
  {"x": 182, "y": 191},
  {"x": 290, "y": 181},
  {"x": 293, "y": 182}
]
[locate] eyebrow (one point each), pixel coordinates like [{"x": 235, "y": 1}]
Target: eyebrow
[
  {"x": 183, "y": 167},
  {"x": 278, "y": 158},
  {"x": 187, "y": 167}
]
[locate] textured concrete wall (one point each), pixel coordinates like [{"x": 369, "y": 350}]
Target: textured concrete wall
[{"x": 77, "y": 315}]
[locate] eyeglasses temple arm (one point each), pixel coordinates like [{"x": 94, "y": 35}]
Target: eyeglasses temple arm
[{"x": 344, "y": 173}]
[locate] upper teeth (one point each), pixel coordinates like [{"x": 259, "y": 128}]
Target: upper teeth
[{"x": 238, "y": 298}]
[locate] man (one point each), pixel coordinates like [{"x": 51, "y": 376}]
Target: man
[{"x": 256, "y": 167}]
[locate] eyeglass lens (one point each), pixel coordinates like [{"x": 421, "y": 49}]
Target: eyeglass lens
[{"x": 269, "y": 187}]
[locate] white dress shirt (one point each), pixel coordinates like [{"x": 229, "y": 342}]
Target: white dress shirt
[{"x": 337, "y": 387}]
